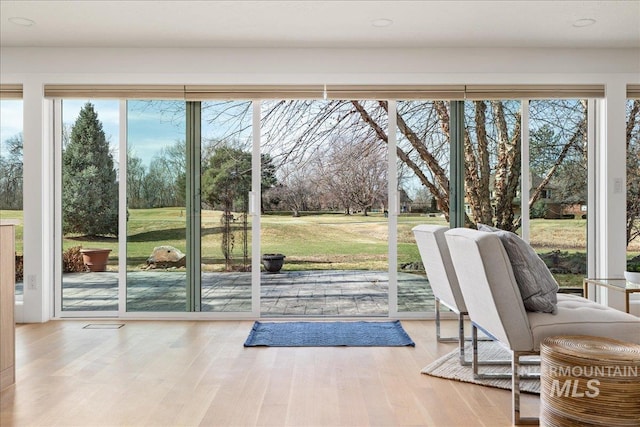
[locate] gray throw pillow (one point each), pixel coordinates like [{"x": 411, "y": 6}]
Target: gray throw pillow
[{"x": 537, "y": 286}]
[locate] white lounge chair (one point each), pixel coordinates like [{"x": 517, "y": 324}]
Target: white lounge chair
[
  {"x": 442, "y": 278},
  {"x": 495, "y": 306},
  {"x": 436, "y": 258}
]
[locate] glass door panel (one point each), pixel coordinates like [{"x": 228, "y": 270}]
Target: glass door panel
[
  {"x": 492, "y": 163},
  {"x": 324, "y": 208},
  {"x": 89, "y": 183},
  {"x": 422, "y": 166},
  {"x": 633, "y": 185},
  {"x": 156, "y": 206},
  {"x": 633, "y": 194},
  {"x": 558, "y": 187},
  {"x": 11, "y": 176},
  {"x": 225, "y": 220}
]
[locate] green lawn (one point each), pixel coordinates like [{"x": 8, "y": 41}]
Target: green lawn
[
  {"x": 312, "y": 241},
  {"x": 17, "y": 216}
]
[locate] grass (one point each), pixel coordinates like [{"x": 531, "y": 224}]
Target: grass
[{"x": 315, "y": 241}]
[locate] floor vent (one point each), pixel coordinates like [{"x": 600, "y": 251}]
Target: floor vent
[{"x": 103, "y": 326}]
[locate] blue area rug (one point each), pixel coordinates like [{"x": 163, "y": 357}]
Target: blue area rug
[{"x": 328, "y": 334}]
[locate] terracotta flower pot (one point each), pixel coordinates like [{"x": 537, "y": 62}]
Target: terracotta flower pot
[
  {"x": 273, "y": 262},
  {"x": 95, "y": 259}
]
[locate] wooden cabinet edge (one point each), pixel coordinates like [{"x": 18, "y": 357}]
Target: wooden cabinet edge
[{"x": 7, "y": 303}]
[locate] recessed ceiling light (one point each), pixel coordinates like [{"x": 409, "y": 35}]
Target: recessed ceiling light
[
  {"x": 584, "y": 22},
  {"x": 23, "y": 22},
  {"x": 381, "y": 22}
]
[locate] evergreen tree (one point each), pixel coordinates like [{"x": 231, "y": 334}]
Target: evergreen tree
[
  {"x": 89, "y": 186},
  {"x": 227, "y": 179}
]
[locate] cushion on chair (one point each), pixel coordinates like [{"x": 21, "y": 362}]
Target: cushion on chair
[
  {"x": 580, "y": 316},
  {"x": 536, "y": 283}
]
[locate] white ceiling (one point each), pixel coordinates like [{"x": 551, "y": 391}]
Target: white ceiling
[{"x": 334, "y": 24}]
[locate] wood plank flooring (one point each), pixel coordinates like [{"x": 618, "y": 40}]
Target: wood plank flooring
[{"x": 184, "y": 373}]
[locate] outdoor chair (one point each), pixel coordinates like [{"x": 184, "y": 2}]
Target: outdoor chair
[{"x": 494, "y": 304}]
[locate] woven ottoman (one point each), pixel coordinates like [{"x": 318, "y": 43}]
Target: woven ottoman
[{"x": 589, "y": 381}]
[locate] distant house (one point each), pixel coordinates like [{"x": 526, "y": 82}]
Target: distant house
[{"x": 555, "y": 208}]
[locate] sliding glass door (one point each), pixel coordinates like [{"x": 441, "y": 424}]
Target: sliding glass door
[
  {"x": 157, "y": 238},
  {"x": 422, "y": 159},
  {"x": 11, "y": 177},
  {"x": 298, "y": 207},
  {"x": 225, "y": 176},
  {"x": 558, "y": 196},
  {"x": 324, "y": 222},
  {"x": 89, "y": 175}
]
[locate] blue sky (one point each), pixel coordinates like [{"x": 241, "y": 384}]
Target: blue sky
[
  {"x": 149, "y": 129},
  {"x": 10, "y": 118}
]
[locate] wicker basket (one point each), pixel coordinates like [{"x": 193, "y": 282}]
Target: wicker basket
[{"x": 589, "y": 381}]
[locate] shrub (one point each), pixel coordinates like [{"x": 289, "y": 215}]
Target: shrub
[
  {"x": 633, "y": 266},
  {"x": 538, "y": 210},
  {"x": 72, "y": 261},
  {"x": 19, "y": 268}
]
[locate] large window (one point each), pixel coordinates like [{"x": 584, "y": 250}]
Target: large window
[
  {"x": 422, "y": 167},
  {"x": 156, "y": 206},
  {"x": 11, "y": 176},
  {"x": 226, "y": 151},
  {"x": 633, "y": 184},
  {"x": 217, "y": 192},
  {"x": 556, "y": 196},
  {"x": 492, "y": 144},
  {"x": 558, "y": 147},
  {"x": 325, "y": 175},
  {"x": 89, "y": 205}
]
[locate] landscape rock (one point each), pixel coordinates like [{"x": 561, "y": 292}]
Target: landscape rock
[{"x": 166, "y": 257}]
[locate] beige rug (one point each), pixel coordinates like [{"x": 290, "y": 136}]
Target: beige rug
[{"x": 448, "y": 367}]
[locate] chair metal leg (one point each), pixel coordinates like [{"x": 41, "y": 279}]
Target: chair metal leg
[
  {"x": 474, "y": 344},
  {"x": 438, "y": 336},
  {"x": 461, "y": 339},
  {"x": 515, "y": 381},
  {"x": 495, "y": 375},
  {"x": 515, "y": 392}
]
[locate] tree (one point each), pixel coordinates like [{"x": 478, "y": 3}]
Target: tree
[
  {"x": 227, "y": 179},
  {"x": 159, "y": 186},
  {"x": 89, "y": 186},
  {"x": 633, "y": 170},
  {"x": 11, "y": 179},
  {"x": 294, "y": 130},
  {"x": 226, "y": 182},
  {"x": 355, "y": 173},
  {"x": 173, "y": 162},
  {"x": 296, "y": 190},
  {"x": 559, "y": 149},
  {"x": 136, "y": 173}
]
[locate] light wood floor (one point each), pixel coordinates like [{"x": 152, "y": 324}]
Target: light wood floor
[{"x": 182, "y": 373}]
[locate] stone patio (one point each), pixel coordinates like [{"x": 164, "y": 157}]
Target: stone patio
[{"x": 288, "y": 293}]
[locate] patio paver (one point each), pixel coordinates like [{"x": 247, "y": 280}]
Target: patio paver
[{"x": 288, "y": 293}]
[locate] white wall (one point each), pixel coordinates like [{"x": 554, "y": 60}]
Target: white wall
[
  {"x": 83, "y": 65},
  {"x": 35, "y": 67}
]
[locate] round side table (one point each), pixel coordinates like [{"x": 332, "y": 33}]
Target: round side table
[{"x": 589, "y": 381}]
